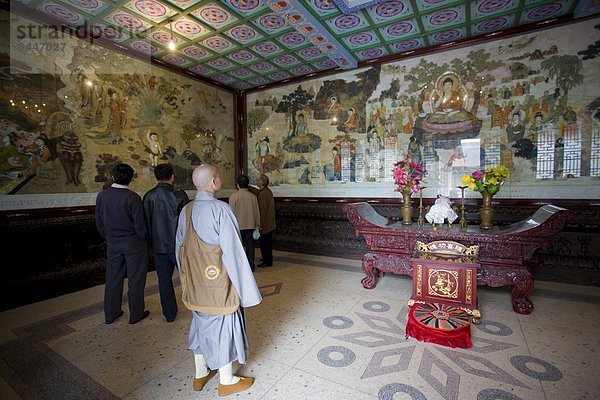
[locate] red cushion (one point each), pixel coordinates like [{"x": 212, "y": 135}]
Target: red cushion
[{"x": 439, "y": 323}]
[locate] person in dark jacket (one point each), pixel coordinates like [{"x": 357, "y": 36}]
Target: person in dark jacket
[
  {"x": 120, "y": 221},
  {"x": 162, "y": 205}
]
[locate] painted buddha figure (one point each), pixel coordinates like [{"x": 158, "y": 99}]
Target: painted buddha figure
[{"x": 448, "y": 103}]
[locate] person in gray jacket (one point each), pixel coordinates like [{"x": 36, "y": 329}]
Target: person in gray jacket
[{"x": 162, "y": 205}]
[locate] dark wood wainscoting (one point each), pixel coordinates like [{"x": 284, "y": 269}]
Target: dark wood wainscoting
[
  {"x": 48, "y": 253},
  {"x": 51, "y": 252}
]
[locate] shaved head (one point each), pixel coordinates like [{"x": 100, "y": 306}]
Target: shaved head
[{"x": 204, "y": 177}]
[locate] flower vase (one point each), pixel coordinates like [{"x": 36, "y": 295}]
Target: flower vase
[
  {"x": 486, "y": 212},
  {"x": 406, "y": 210}
]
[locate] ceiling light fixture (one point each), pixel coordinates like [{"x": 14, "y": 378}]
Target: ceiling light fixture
[{"x": 171, "y": 44}]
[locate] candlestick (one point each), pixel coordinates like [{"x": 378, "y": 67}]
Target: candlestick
[
  {"x": 421, "y": 221},
  {"x": 463, "y": 222}
]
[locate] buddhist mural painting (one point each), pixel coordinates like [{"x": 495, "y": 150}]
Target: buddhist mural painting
[
  {"x": 530, "y": 103},
  {"x": 67, "y": 121}
]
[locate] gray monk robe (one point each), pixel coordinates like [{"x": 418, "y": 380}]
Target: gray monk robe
[{"x": 221, "y": 339}]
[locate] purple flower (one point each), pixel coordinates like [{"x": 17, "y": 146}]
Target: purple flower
[{"x": 477, "y": 175}]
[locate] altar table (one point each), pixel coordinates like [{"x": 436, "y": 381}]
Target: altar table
[{"x": 503, "y": 251}]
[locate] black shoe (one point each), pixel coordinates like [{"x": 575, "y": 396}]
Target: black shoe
[
  {"x": 144, "y": 315},
  {"x": 107, "y": 322},
  {"x": 170, "y": 319},
  {"x": 263, "y": 265}
]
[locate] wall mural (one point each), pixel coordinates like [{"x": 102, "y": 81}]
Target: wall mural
[
  {"x": 531, "y": 103},
  {"x": 68, "y": 116}
]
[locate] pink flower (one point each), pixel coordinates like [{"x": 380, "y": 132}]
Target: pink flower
[
  {"x": 407, "y": 175},
  {"x": 477, "y": 175}
]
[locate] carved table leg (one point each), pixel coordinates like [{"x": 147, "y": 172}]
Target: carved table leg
[
  {"x": 523, "y": 286},
  {"x": 368, "y": 266}
]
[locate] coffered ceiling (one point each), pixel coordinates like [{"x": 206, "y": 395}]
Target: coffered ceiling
[{"x": 244, "y": 44}]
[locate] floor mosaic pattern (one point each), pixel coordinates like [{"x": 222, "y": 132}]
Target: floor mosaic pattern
[{"x": 317, "y": 335}]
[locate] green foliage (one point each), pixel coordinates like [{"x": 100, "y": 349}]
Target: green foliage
[
  {"x": 256, "y": 118},
  {"x": 424, "y": 73},
  {"x": 191, "y": 131},
  {"x": 295, "y": 101},
  {"x": 566, "y": 69},
  {"x": 469, "y": 69}
]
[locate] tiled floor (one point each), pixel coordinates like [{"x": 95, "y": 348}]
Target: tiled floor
[{"x": 317, "y": 335}]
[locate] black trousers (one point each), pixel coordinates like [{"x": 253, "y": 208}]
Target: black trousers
[
  {"x": 248, "y": 243},
  {"x": 165, "y": 265},
  {"x": 266, "y": 247},
  {"x": 125, "y": 258}
]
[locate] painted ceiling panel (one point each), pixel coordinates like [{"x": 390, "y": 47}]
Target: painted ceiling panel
[
  {"x": 267, "y": 48},
  {"x": 176, "y": 60},
  {"x": 400, "y": 30},
  {"x": 63, "y": 13},
  {"x": 246, "y": 43},
  {"x": 242, "y": 57},
  {"x": 324, "y": 64},
  {"x": 344, "y": 24},
  {"x": 293, "y": 40},
  {"x": 390, "y": 11},
  {"x": 181, "y": 4},
  {"x": 443, "y": 19},
  {"x": 126, "y": 20},
  {"x": 271, "y": 23},
  {"x": 248, "y": 7},
  {"x": 152, "y": 10},
  {"x": 446, "y": 36},
  {"x": 323, "y": 8},
  {"x": 189, "y": 28},
  {"x": 487, "y": 9},
  {"x": 110, "y": 33},
  {"x": 428, "y": 5},
  {"x": 279, "y": 76},
  {"x": 369, "y": 54},
  {"x": 242, "y": 73},
  {"x": 241, "y": 85},
  {"x": 263, "y": 67},
  {"x": 492, "y": 25},
  {"x": 90, "y": 7},
  {"x": 146, "y": 48},
  {"x": 196, "y": 52},
  {"x": 310, "y": 53},
  {"x": 200, "y": 69},
  {"x": 546, "y": 11},
  {"x": 215, "y": 15},
  {"x": 407, "y": 45},
  {"x": 362, "y": 39}
]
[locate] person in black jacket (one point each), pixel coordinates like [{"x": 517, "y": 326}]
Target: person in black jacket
[
  {"x": 162, "y": 206},
  {"x": 120, "y": 221}
]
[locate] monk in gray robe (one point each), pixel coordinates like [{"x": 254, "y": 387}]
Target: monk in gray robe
[{"x": 216, "y": 338}]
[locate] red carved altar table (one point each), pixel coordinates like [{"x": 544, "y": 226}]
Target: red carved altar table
[{"x": 503, "y": 251}]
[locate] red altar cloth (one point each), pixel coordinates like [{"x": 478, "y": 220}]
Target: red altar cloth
[{"x": 439, "y": 323}]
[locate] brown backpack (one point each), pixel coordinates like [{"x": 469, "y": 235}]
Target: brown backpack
[{"x": 206, "y": 284}]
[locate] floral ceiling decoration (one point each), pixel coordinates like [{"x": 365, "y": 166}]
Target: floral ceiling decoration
[{"x": 245, "y": 44}]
